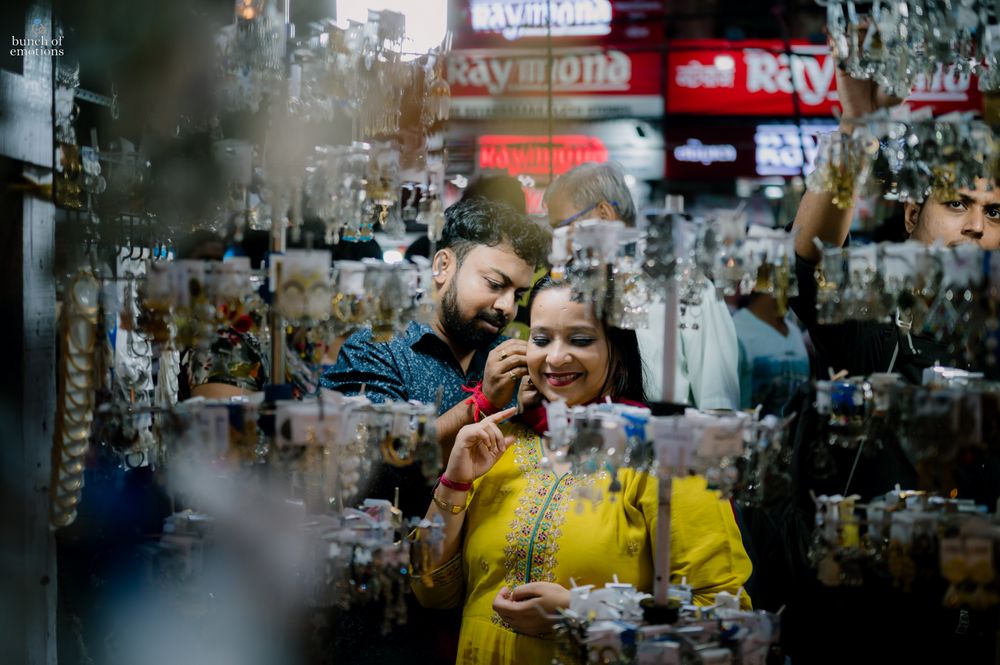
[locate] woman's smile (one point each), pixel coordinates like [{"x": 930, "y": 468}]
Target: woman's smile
[{"x": 561, "y": 379}]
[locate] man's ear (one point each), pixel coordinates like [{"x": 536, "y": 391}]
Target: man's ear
[
  {"x": 911, "y": 216},
  {"x": 442, "y": 266},
  {"x": 606, "y": 211}
]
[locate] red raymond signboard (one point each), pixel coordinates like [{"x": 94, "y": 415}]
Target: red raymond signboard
[
  {"x": 531, "y": 154},
  {"x": 587, "y": 83},
  {"x": 715, "y": 77}
]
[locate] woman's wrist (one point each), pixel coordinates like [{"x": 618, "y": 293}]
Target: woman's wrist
[
  {"x": 450, "y": 495},
  {"x": 451, "y": 483},
  {"x": 449, "y": 501},
  {"x": 455, "y": 477}
]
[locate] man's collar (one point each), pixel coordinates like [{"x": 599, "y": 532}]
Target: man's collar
[{"x": 416, "y": 331}]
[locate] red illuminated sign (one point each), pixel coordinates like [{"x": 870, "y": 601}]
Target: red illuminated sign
[
  {"x": 531, "y": 155},
  {"x": 759, "y": 78}
]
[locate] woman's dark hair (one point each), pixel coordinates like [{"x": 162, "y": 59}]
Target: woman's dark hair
[{"x": 625, "y": 368}]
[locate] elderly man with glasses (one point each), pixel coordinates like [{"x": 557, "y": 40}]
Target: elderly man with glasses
[{"x": 707, "y": 350}]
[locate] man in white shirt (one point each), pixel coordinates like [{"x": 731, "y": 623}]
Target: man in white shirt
[{"x": 707, "y": 352}]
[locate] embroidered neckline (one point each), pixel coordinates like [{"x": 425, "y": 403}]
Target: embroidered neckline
[
  {"x": 534, "y": 533},
  {"x": 532, "y": 539}
]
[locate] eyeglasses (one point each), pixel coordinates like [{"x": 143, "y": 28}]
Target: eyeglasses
[{"x": 572, "y": 218}]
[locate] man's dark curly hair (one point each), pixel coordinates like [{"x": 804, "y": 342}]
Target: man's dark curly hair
[{"x": 479, "y": 221}]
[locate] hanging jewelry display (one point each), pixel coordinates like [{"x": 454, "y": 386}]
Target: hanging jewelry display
[
  {"x": 923, "y": 156},
  {"x": 894, "y": 43},
  {"x": 75, "y": 410}
]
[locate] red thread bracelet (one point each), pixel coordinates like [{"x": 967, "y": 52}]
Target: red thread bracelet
[
  {"x": 481, "y": 404},
  {"x": 453, "y": 485}
]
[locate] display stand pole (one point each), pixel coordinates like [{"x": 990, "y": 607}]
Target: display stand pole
[
  {"x": 275, "y": 320},
  {"x": 661, "y": 582},
  {"x": 667, "y": 405},
  {"x": 278, "y": 243}
]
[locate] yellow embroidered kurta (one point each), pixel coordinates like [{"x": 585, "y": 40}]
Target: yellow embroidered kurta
[{"x": 523, "y": 524}]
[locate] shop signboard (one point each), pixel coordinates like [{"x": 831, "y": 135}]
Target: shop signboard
[
  {"x": 587, "y": 83},
  {"x": 532, "y": 155},
  {"x": 637, "y": 146},
  {"x": 787, "y": 149},
  {"x": 760, "y": 78},
  {"x": 708, "y": 153},
  {"x": 501, "y": 23},
  {"x": 724, "y": 153},
  {"x": 607, "y": 60}
]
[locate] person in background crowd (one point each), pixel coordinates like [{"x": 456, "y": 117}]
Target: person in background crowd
[
  {"x": 707, "y": 352},
  {"x": 507, "y": 559},
  {"x": 866, "y": 347},
  {"x": 818, "y": 616},
  {"x": 774, "y": 360}
]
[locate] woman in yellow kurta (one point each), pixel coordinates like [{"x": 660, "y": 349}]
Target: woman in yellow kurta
[{"x": 514, "y": 533}]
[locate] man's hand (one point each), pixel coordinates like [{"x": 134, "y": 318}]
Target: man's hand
[
  {"x": 857, "y": 97},
  {"x": 505, "y": 366},
  {"x": 861, "y": 97},
  {"x": 528, "y": 608}
]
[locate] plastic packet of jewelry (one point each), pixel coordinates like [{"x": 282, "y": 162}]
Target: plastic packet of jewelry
[
  {"x": 604, "y": 638},
  {"x": 303, "y": 291},
  {"x": 664, "y": 244},
  {"x": 594, "y": 247},
  {"x": 561, "y": 252},
  {"x": 630, "y": 298},
  {"x": 842, "y": 166},
  {"x": 383, "y": 178},
  {"x": 658, "y": 652},
  {"x": 92, "y": 181},
  {"x": 204, "y": 432},
  {"x": 560, "y": 422},
  {"x": 296, "y": 424},
  {"x": 229, "y": 281},
  {"x": 764, "y": 264},
  {"x": 187, "y": 282},
  {"x": 676, "y": 441},
  {"x": 763, "y": 629}
]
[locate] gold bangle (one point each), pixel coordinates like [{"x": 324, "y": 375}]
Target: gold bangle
[{"x": 444, "y": 506}]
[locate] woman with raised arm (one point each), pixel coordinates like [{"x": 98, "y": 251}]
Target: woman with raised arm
[{"x": 515, "y": 533}]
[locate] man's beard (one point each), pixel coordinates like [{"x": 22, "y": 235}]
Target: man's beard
[{"x": 468, "y": 333}]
